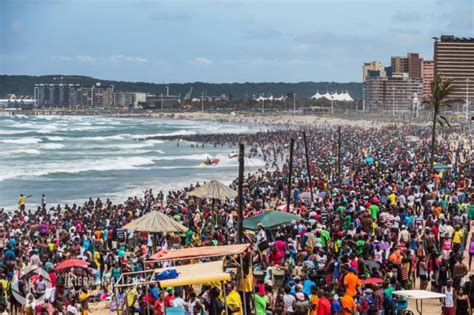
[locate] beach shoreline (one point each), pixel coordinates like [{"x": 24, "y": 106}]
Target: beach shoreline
[{"x": 275, "y": 119}]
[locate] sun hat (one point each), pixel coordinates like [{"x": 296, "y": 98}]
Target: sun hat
[{"x": 300, "y": 296}]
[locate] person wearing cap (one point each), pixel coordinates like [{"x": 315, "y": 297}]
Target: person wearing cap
[
  {"x": 301, "y": 304},
  {"x": 169, "y": 297}
]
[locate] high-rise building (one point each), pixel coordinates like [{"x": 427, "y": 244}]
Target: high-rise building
[
  {"x": 410, "y": 64},
  {"x": 372, "y": 69},
  {"x": 73, "y": 96},
  {"x": 374, "y": 93},
  {"x": 392, "y": 94},
  {"x": 103, "y": 96},
  {"x": 399, "y": 93},
  {"x": 427, "y": 73},
  {"x": 127, "y": 99},
  {"x": 454, "y": 58},
  {"x": 53, "y": 95}
]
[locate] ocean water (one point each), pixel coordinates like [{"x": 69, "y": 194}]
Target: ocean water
[{"x": 72, "y": 158}]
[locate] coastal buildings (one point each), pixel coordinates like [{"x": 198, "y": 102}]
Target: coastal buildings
[
  {"x": 427, "y": 73},
  {"x": 53, "y": 95},
  {"x": 73, "y": 96},
  {"x": 454, "y": 58},
  {"x": 372, "y": 69},
  {"x": 129, "y": 99},
  {"x": 393, "y": 88},
  {"x": 410, "y": 65}
]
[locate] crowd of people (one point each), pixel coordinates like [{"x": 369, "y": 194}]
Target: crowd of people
[{"x": 381, "y": 220}]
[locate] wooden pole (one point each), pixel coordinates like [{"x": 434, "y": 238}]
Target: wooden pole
[
  {"x": 240, "y": 193},
  {"x": 290, "y": 171},
  {"x": 308, "y": 170},
  {"x": 339, "y": 154}
]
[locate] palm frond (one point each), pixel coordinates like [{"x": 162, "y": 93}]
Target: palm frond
[{"x": 443, "y": 118}]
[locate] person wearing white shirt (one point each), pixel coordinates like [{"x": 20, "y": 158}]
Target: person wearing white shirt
[{"x": 178, "y": 301}]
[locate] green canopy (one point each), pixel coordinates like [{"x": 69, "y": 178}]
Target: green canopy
[{"x": 270, "y": 219}]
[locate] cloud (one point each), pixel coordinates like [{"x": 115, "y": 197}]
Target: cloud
[
  {"x": 202, "y": 61},
  {"x": 121, "y": 58},
  {"x": 407, "y": 17},
  {"x": 82, "y": 59},
  {"x": 85, "y": 59}
]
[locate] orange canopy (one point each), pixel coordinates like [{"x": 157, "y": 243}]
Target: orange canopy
[{"x": 199, "y": 252}]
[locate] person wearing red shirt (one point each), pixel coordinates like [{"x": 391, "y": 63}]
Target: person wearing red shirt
[
  {"x": 324, "y": 306},
  {"x": 169, "y": 298},
  {"x": 159, "y": 309}
]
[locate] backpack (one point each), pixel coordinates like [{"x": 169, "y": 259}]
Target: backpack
[{"x": 167, "y": 274}]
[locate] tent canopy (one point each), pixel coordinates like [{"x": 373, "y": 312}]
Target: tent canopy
[
  {"x": 200, "y": 252},
  {"x": 195, "y": 274},
  {"x": 154, "y": 222},
  {"x": 419, "y": 294},
  {"x": 213, "y": 190},
  {"x": 270, "y": 219}
]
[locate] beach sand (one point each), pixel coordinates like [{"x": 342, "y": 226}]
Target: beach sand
[{"x": 280, "y": 119}]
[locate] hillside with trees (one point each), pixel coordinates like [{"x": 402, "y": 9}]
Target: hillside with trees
[{"x": 23, "y": 85}]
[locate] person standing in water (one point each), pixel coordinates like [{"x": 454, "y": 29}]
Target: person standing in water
[{"x": 22, "y": 202}]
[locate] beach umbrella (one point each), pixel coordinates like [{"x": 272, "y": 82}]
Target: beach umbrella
[
  {"x": 270, "y": 219},
  {"x": 372, "y": 281},
  {"x": 155, "y": 222},
  {"x": 71, "y": 263},
  {"x": 213, "y": 190}
]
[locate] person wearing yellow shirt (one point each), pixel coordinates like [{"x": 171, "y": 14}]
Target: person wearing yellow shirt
[
  {"x": 393, "y": 199},
  {"x": 96, "y": 259},
  {"x": 233, "y": 301},
  {"x": 131, "y": 298},
  {"x": 22, "y": 202},
  {"x": 457, "y": 238},
  {"x": 83, "y": 299}
]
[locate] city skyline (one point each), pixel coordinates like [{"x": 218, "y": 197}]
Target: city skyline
[{"x": 226, "y": 41}]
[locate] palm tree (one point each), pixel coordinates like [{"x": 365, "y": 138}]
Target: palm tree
[{"x": 441, "y": 88}]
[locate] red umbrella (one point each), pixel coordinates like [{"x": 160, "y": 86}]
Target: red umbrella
[
  {"x": 70, "y": 263},
  {"x": 372, "y": 281}
]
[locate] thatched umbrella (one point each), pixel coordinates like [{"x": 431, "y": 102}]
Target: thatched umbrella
[
  {"x": 213, "y": 190},
  {"x": 155, "y": 222}
]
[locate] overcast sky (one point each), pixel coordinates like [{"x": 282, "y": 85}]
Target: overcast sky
[{"x": 220, "y": 41}]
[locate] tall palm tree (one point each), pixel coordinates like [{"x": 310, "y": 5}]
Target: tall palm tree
[{"x": 441, "y": 88}]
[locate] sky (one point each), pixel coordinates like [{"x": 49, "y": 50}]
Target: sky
[{"x": 221, "y": 40}]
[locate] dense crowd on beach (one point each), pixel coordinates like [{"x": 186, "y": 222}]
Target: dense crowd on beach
[{"x": 387, "y": 221}]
